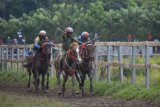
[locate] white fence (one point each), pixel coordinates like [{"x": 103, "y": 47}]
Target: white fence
[{"x": 13, "y": 56}]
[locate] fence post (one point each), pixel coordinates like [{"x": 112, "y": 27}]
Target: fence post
[
  {"x": 51, "y": 69},
  {"x": 12, "y": 60},
  {"x": 1, "y": 56},
  {"x": 96, "y": 63},
  {"x": 7, "y": 52},
  {"x": 24, "y": 50},
  {"x": 146, "y": 67},
  {"x": 18, "y": 64},
  {"x": 120, "y": 62},
  {"x": 108, "y": 66},
  {"x": 133, "y": 62},
  {"x": 2, "y": 59}
]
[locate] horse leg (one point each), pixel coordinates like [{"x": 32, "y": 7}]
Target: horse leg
[
  {"x": 29, "y": 77},
  {"x": 83, "y": 77},
  {"x": 91, "y": 86},
  {"x": 43, "y": 83},
  {"x": 74, "y": 89},
  {"x": 65, "y": 78},
  {"x": 78, "y": 79},
  {"x": 58, "y": 82},
  {"x": 36, "y": 80},
  {"x": 47, "y": 84}
]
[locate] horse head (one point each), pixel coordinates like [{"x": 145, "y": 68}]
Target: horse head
[
  {"x": 87, "y": 53},
  {"x": 45, "y": 51},
  {"x": 73, "y": 52},
  {"x": 46, "y": 47}
]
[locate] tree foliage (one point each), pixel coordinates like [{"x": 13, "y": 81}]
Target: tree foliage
[{"x": 113, "y": 20}]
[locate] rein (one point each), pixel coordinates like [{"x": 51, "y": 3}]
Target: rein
[
  {"x": 70, "y": 61},
  {"x": 44, "y": 52},
  {"x": 70, "y": 54},
  {"x": 87, "y": 59},
  {"x": 71, "y": 70},
  {"x": 70, "y": 67}
]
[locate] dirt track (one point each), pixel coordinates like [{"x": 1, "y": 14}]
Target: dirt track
[{"x": 86, "y": 101}]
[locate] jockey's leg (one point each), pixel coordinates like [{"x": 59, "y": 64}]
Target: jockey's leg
[
  {"x": 49, "y": 60},
  {"x": 62, "y": 60},
  {"x": 29, "y": 62}
]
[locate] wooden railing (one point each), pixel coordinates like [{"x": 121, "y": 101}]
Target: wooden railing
[
  {"x": 12, "y": 56},
  {"x": 133, "y": 45}
]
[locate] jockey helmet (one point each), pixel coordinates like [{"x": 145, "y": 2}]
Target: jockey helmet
[
  {"x": 68, "y": 30},
  {"x": 85, "y": 35},
  {"x": 42, "y": 33}
]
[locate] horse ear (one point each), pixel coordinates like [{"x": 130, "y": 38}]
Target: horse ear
[{"x": 93, "y": 41}]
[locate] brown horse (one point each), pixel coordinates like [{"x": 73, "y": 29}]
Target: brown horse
[
  {"x": 86, "y": 65},
  {"x": 39, "y": 66},
  {"x": 66, "y": 64}
]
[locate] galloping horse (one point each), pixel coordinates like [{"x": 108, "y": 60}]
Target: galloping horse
[
  {"x": 67, "y": 65},
  {"x": 86, "y": 65},
  {"x": 40, "y": 66}
]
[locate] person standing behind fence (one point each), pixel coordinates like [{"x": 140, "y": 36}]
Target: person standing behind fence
[
  {"x": 8, "y": 41},
  {"x": 130, "y": 38}
]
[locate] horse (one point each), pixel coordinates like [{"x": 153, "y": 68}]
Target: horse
[
  {"x": 39, "y": 66},
  {"x": 85, "y": 67},
  {"x": 58, "y": 57},
  {"x": 66, "y": 64}
]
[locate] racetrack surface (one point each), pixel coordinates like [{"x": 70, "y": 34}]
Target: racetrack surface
[{"x": 77, "y": 100}]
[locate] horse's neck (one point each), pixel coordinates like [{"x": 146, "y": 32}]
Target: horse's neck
[
  {"x": 68, "y": 60},
  {"x": 83, "y": 54}
]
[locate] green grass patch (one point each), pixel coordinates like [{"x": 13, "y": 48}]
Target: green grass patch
[
  {"x": 30, "y": 101},
  {"x": 127, "y": 91},
  {"x": 115, "y": 89}
]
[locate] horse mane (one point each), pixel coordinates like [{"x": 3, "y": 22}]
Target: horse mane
[{"x": 74, "y": 44}]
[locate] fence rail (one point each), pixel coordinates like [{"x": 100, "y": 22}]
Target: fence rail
[
  {"x": 147, "y": 53},
  {"x": 12, "y": 56}
]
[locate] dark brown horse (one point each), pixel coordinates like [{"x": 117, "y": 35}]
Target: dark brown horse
[
  {"x": 39, "y": 66},
  {"x": 86, "y": 65},
  {"x": 67, "y": 66}
]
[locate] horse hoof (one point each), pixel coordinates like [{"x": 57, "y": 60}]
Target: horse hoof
[
  {"x": 28, "y": 88},
  {"x": 77, "y": 92},
  {"x": 45, "y": 91},
  {"x": 36, "y": 91},
  {"x": 59, "y": 93},
  {"x": 34, "y": 83}
]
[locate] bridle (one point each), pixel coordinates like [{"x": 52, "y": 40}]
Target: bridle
[
  {"x": 87, "y": 54},
  {"x": 44, "y": 51},
  {"x": 70, "y": 54},
  {"x": 87, "y": 59}
]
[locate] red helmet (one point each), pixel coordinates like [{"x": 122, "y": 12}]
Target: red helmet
[
  {"x": 84, "y": 35},
  {"x": 69, "y": 30}
]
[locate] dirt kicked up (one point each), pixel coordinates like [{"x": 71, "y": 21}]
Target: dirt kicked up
[{"x": 75, "y": 100}]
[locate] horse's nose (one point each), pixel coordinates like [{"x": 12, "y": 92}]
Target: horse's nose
[{"x": 79, "y": 58}]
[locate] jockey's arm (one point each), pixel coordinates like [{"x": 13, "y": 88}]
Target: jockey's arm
[
  {"x": 36, "y": 45},
  {"x": 75, "y": 40}
]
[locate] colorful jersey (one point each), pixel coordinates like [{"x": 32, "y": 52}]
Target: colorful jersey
[
  {"x": 66, "y": 41},
  {"x": 82, "y": 40},
  {"x": 38, "y": 42}
]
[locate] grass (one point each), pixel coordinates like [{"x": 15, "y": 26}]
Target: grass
[
  {"x": 30, "y": 101},
  {"x": 127, "y": 91},
  {"x": 115, "y": 89}
]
